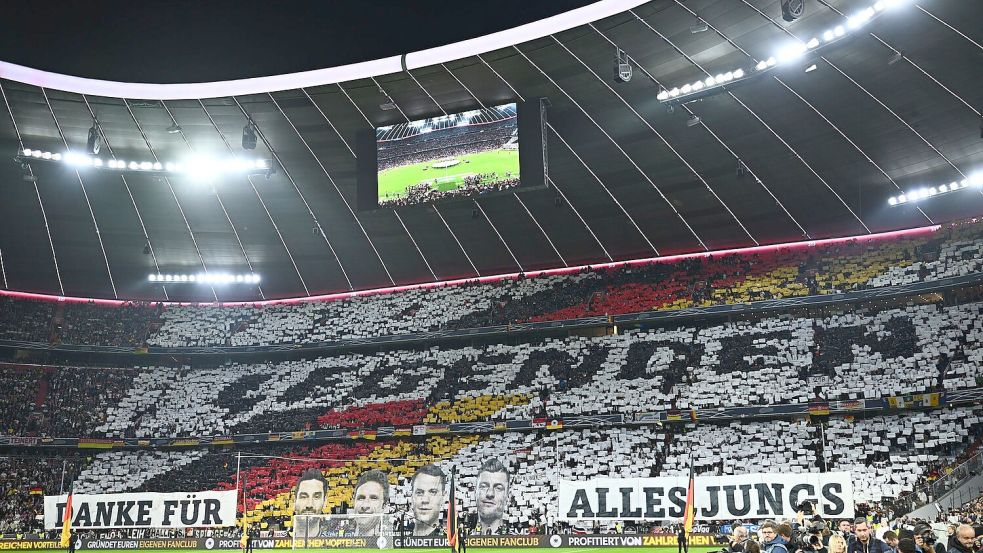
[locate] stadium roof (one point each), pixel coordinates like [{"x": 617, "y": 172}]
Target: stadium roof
[{"x": 891, "y": 107}]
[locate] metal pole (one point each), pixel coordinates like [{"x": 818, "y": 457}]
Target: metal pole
[
  {"x": 61, "y": 487},
  {"x": 238, "y": 462},
  {"x": 244, "y": 484},
  {"x": 822, "y": 433}
]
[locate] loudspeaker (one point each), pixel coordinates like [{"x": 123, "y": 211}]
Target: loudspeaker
[
  {"x": 793, "y": 9},
  {"x": 94, "y": 143},
  {"x": 248, "y": 138}
]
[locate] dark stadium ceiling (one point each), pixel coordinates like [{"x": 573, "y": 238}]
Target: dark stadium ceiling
[{"x": 824, "y": 150}]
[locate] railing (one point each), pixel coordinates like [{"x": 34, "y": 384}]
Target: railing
[
  {"x": 933, "y": 491},
  {"x": 957, "y": 477}
]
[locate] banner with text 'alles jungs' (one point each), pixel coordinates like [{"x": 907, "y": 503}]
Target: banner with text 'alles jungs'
[
  {"x": 748, "y": 496},
  {"x": 143, "y": 510}
]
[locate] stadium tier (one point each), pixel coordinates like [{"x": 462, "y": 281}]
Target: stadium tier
[
  {"x": 885, "y": 456},
  {"x": 732, "y": 278},
  {"x": 852, "y": 355},
  {"x": 777, "y": 359}
]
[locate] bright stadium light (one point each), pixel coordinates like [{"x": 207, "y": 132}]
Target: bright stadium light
[
  {"x": 787, "y": 54},
  {"x": 200, "y": 165},
  {"x": 206, "y": 278},
  {"x": 791, "y": 52},
  {"x": 975, "y": 180}
]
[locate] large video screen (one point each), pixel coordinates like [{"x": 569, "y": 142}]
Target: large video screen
[{"x": 461, "y": 154}]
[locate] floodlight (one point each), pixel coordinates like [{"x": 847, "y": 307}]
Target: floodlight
[{"x": 791, "y": 52}]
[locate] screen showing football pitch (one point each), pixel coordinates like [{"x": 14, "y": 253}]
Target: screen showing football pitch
[{"x": 462, "y": 154}]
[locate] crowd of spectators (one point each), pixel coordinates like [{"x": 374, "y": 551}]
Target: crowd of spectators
[
  {"x": 19, "y": 388},
  {"x": 909, "y": 349},
  {"x": 971, "y": 512},
  {"x": 847, "y": 353},
  {"x": 127, "y": 325},
  {"x": 693, "y": 282},
  {"x": 473, "y": 185},
  {"x": 25, "y": 480},
  {"x": 58, "y": 401},
  {"x": 535, "y": 460},
  {"x": 449, "y": 142},
  {"x": 25, "y": 320}
]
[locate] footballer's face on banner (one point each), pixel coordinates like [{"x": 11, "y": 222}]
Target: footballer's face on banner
[
  {"x": 310, "y": 498},
  {"x": 493, "y": 495},
  {"x": 428, "y": 498},
  {"x": 370, "y": 498}
]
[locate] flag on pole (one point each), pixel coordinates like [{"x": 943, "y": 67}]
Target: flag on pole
[
  {"x": 66, "y": 525},
  {"x": 690, "y": 513},
  {"x": 453, "y": 536}
]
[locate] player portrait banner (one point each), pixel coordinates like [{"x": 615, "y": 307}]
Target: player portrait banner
[
  {"x": 749, "y": 496},
  {"x": 143, "y": 510}
]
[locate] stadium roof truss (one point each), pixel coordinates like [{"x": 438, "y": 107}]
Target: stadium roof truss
[{"x": 812, "y": 149}]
